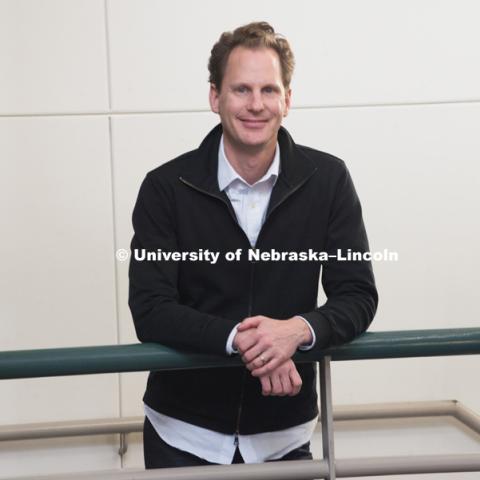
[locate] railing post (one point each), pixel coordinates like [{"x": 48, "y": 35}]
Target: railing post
[
  {"x": 326, "y": 416},
  {"x": 123, "y": 445}
]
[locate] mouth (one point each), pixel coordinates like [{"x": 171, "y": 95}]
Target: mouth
[{"x": 253, "y": 123}]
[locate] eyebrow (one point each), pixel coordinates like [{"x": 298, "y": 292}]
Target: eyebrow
[
  {"x": 273, "y": 86},
  {"x": 237, "y": 85}
]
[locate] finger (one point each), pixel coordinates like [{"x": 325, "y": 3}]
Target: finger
[
  {"x": 259, "y": 361},
  {"x": 266, "y": 385},
  {"x": 267, "y": 368},
  {"x": 250, "y": 322},
  {"x": 254, "y": 353},
  {"x": 287, "y": 385},
  {"x": 296, "y": 381},
  {"x": 277, "y": 387},
  {"x": 255, "y": 364},
  {"x": 244, "y": 342}
]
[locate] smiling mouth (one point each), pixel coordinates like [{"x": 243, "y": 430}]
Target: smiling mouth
[{"x": 253, "y": 123}]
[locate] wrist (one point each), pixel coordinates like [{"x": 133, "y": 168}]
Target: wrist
[{"x": 304, "y": 332}]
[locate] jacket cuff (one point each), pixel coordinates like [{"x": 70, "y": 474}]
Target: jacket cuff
[
  {"x": 321, "y": 328},
  {"x": 310, "y": 345}
]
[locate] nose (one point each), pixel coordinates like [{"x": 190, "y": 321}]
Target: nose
[{"x": 256, "y": 102}]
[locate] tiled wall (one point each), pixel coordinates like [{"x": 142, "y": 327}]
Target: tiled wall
[{"x": 95, "y": 93}]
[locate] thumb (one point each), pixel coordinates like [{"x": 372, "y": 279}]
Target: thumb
[{"x": 250, "y": 322}]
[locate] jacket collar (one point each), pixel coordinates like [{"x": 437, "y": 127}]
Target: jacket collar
[{"x": 295, "y": 168}]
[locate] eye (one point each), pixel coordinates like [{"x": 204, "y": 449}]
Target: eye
[
  {"x": 241, "y": 89},
  {"x": 270, "y": 90}
]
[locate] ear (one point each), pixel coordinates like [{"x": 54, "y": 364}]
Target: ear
[
  {"x": 288, "y": 100},
  {"x": 213, "y": 97}
]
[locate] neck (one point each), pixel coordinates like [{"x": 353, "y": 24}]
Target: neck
[{"x": 251, "y": 164}]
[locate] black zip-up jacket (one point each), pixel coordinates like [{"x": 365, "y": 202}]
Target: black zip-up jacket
[{"x": 194, "y": 305}]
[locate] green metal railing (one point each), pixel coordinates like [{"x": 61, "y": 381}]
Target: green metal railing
[{"x": 149, "y": 356}]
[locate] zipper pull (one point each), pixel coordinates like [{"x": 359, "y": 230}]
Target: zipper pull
[{"x": 235, "y": 440}]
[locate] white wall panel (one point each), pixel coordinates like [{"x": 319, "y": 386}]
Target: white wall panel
[
  {"x": 393, "y": 51},
  {"x": 57, "y": 243},
  {"x": 58, "y": 456},
  {"x": 52, "y": 56},
  {"x": 398, "y": 437},
  {"x": 58, "y": 399},
  {"x": 57, "y": 287},
  {"x": 348, "y": 52}
]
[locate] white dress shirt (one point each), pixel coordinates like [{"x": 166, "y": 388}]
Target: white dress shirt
[{"x": 250, "y": 204}]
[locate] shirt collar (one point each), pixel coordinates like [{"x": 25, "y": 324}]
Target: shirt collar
[{"x": 227, "y": 174}]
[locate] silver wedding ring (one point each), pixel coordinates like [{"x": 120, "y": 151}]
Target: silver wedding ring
[{"x": 262, "y": 358}]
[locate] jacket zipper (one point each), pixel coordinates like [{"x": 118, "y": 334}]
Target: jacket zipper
[
  {"x": 250, "y": 297},
  {"x": 242, "y": 391}
]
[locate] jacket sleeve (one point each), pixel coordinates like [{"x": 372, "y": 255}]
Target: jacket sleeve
[
  {"x": 349, "y": 285},
  {"x": 154, "y": 299}
]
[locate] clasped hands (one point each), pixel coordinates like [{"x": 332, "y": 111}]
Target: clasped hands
[{"x": 266, "y": 346}]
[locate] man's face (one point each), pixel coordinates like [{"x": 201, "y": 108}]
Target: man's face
[{"x": 252, "y": 101}]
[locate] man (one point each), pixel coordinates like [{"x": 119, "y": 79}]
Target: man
[{"x": 247, "y": 187}]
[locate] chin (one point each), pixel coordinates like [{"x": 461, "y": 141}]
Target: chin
[
  {"x": 254, "y": 140},
  {"x": 254, "y": 143}
]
